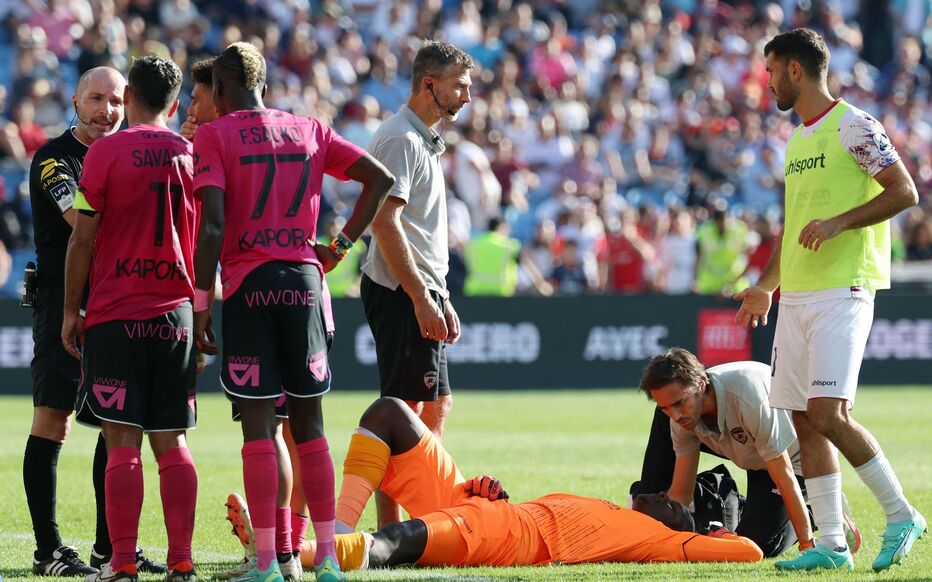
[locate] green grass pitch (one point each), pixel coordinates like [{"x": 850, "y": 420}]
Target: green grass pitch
[{"x": 584, "y": 442}]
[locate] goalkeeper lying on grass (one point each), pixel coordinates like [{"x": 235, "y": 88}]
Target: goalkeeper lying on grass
[{"x": 470, "y": 523}]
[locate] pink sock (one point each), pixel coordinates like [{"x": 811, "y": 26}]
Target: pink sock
[
  {"x": 298, "y": 529},
  {"x": 283, "y": 530},
  {"x": 123, "y": 488},
  {"x": 260, "y": 476},
  {"x": 317, "y": 480},
  {"x": 178, "y": 486}
]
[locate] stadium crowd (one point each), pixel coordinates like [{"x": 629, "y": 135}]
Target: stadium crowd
[{"x": 629, "y": 146}]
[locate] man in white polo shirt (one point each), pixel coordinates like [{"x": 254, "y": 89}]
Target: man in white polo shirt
[
  {"x": 724, "y": 410},
  {"x": 404, "y": 277}
]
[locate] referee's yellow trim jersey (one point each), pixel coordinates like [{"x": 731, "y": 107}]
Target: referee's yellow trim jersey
[{"x": 824, "y": 180}]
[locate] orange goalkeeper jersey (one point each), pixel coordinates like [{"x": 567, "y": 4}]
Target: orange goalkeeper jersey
[{"x": 569, "y": 529}]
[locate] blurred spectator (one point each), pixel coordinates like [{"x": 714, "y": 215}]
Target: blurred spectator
[
  {"x": 721, "y": 245},
  {"x": 622, "y": 254},
  {"x": 56, "y": 18},
  {"x": 359, "y": 121},
  {"x": 31, "y": 134},
  {"x": 473, "y": 179},
  {"x": 677, "y": 254},
  {"x": 385, "y": 86},
  {"x": 571, "y": 274},
  {"x": 919, "y": 247},
  {"x": 537, "y": 260},
  {"x": 905, "y": 78},
  {"x": 766, "y": 233},
  {"x": 177, "y": 15},
  {"x": 492, "y": 261}
]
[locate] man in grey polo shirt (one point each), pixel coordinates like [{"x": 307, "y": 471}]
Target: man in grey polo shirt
[
  {"x": 403, "y": 286},
  {"x": 725, "y": 410}
]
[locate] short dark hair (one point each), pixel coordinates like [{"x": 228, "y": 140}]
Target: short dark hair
[
  {"x": 804, "y": 45},
  {"x": 154, "y": 82},
  {"x": 689, "y": 520},
  {"x": 434, "y": 57},
  {"x": 674, "y": 365},
  {"x": 245, "y": 63},
  {"x": 202, "y": 71}
]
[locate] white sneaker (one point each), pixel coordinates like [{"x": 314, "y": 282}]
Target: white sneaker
[
  {"x": 292, "y": 569},
  {"x": 107, "y": 574},
  {"x": 246, "y": 565}
]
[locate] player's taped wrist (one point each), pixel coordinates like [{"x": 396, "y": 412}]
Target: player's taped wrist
[
  {"x": 340, "y": 245},
  {"x": 201, "y": 299}
]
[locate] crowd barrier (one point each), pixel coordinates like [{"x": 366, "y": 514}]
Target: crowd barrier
[{"x": 567, "y": 342}]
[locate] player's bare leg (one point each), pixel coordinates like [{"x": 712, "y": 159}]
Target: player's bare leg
[
  {"x": 394, "y": 545},
  {"x": 831, "y": 418},
  {"x": 51, "y": 423},
  {"x": 434, "y": 415}
]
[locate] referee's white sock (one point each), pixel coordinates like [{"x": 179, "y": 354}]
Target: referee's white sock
[
  {"x": 879, "y": 477},
  {"x": 825, "y": 500}
]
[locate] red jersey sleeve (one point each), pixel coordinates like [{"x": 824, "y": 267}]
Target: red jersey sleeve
[
  {"x": 208, "y": 159},
  {"x": 94, "y": 173},
  {"x": 341, "y": 154}
]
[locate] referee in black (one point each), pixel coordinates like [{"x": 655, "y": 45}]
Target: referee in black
[{"x": 53, "y": 179}]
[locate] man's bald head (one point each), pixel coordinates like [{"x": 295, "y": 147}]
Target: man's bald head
[
  {"x": 98, "y": 103},
  {"x": 100, "y": 76}
]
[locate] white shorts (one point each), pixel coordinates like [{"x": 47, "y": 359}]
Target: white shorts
[{"x": 818, "y": 348}]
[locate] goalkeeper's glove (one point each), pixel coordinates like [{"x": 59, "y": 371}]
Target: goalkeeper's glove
[{"x": 485, "y": 486}]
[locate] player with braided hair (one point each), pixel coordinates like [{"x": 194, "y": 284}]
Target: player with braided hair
[{"x": 259, "y": 173}]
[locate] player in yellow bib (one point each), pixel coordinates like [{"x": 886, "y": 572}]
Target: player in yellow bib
[{"x": 844, "y": 181}]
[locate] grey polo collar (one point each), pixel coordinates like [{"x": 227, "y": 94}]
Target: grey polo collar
[{"x": 431, "y": 138}]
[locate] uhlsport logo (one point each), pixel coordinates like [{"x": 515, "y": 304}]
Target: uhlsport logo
[
  {"x": 244, "y": 370},
  {"x": 798, "y": 166},
  {"x": 110, "y": 392},
  {"x": 317, "y": 364},
  {"x": 430, "y": 380}
]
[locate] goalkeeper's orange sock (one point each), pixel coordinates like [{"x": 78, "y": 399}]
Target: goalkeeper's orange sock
[
  {"x": 363, "y": 470},
  {"x": 352, "y": 551}
]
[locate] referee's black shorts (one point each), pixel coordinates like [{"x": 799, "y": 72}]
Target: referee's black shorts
[
  {"x": 411, "y": 367},
  {"x": 55, "y": 374}
]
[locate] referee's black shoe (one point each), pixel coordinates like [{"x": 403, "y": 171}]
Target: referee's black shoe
[
  {"x": 143, "y": 563},
  {"x": 62, "y": 562}
]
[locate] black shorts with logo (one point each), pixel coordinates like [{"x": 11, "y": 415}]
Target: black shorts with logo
[
  {"x": 55, "y": 374},
  {"x": 275, "y": 335},
  {"x": 411, "y": 367},
  {"x": 140, "y": 373}
]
